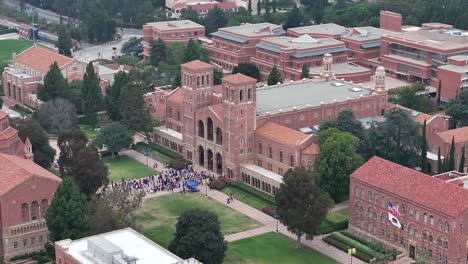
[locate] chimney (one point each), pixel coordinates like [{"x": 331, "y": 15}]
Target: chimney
[{"x": 390, "y": 21}]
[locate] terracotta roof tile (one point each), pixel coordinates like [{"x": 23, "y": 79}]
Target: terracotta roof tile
[
  {"x": 41, "y": 58},
  {"x": 280, "y": 133},
  {"x": 15, "y": 170},
  {"x": 196, "y": 64},
  {"x": 419, "y": 118},
  {"x": 176, "y": 96},
  {"x": 459, "y": 134},
  {"x": 313, "y": 149},
  {"x": 239, "y": 78},
  {"x": 218, "y": 109},
  {"x": 431, "y": 193},
  {"x": 3, "y": 114},
  {"x": 8, "y": 133}
]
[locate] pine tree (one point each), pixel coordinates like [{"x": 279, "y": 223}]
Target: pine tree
[
  {"x": 266, "y": 3},
  {"x": 451, "y": 158},
  {"x": 424, "y": 150},
  {"x": 64, "y": 43},
  {"x": 54, "y": 84},
  {"x": 158, "y": 52},
  {"x": 440, "y": 166},
  {"x": 305, "y": 71},
  {"x": 135, "y": 114},
  {"x": 438, "y": 92},
  {"x": 91, "y": 94},
  {"x": 259, "y": 7},
  {"x": 67, "y": 216},
  {"x": 273, "y": 4},
  {"x": 461, "y": 166},
  {"x": 274, "y": 77},
  {"x": 113, "y": 96},
  {"x": 249, "y": 7}
]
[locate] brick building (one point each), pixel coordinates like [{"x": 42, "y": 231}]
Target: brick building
[
  {"x": 201, "y": 7},
  {"x": 434, "y": 215},
  {"x": 453, "y": 76},
  {"x": 255, "y": 134},
  {"x": 10, "y": 143},
  {"x": 21, "y": 77},
  {"x": 26, "y": 191},
  {"x": 443, "y": 140},
  {"x": 233, "y": 45},
  {"x": 156, "y": 102},
  {"x": 170, "y": 32}
]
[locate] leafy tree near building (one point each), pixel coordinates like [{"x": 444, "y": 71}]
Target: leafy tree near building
[
  {"x": 336, "y": 161},
  {"x": 64, "y": 43},
  {"x": 90, "y": 173},
  {"x": 259, "y": 7},
  {"x": 457, "y": 109},
  {"x": 305, "y": 72},
  {"x": 461, "y": 165},
  {"x": 301, "y": 204},
  {"x": 29, "y": 128},
  {"x": 54, "y": 84},
  {"x": 274, "y": 5},
  {"x": 451, "y": 156},
  {"x": 189, "y": 14},
  {"x": 70, "y": 143},
  {"x": 198, "y": 235},
  {"x": 249, "y": 7},
  {"x": 67, "y": 216},
  {"x": 113, "y": 95},
  {"x": 57, "y": 115},
  {"x": 266, "y": 4},
  {"x": 424, "y": 167},
  {"x": 158, "y": 51},
  {"x": 194, "y": 51},
  {"x": 91, "y": 94},
  {"x": 248, "y": 69},
  {"x": 133, "y": 47},
  {"x": 114, "y": 137},
  {"x": 135, "y": 114},
  {"x": 215, "y": 19},
  {"x": 274, "y": 77}
]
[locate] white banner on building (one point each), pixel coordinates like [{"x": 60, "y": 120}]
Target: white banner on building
[{"x": 394, "y": 221}]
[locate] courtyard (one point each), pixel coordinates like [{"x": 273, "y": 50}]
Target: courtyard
[
  {"x": 124, "y": 167},
  {"x": 158, "y": 216},
  {"x": 10, "y": 46}
]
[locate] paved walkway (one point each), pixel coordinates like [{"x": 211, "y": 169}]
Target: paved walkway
[{"x": 269, "y": 223}]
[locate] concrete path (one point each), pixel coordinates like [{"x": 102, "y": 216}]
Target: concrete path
[{"x": 248, "y": 233}]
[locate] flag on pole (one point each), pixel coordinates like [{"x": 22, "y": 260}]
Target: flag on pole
[
  {"x": 393, "y": 210},
  {"x": 394, "y": 221}
]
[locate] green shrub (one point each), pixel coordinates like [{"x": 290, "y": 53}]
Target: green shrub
[
  {"x": 179, "y": 164},
  {"x": 269, "y": 211},
  {"x": 254, "y": 192},
  {"x": 344, "y": 247},
  {"x": 325, "y": 228},
  {"x": 22, "y": 109},
  {"x": 355, "y": 244},
  {"x": 7, "y": 31},
  {"x": 40, "y": 256},
  {"x": 219, "y": 184},
  {"x": 375, "y": 245}
]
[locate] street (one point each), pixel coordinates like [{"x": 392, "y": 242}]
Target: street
[{"x": 49, "y": 16}]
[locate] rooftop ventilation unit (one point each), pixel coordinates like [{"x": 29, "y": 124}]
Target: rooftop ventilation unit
[
  {"x": 337, "y": 84},
  {"x": 355, "y": 89},
  {"x": 415, "y": 113}
]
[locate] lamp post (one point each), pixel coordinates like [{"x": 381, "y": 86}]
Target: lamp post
[
  {"x": 146, "y": 153},
  {"x": 276, "y": 216},
  {"x": 351, "y": 252}
]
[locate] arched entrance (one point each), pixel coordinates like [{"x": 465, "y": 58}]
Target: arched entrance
[
  {"x": 201, "y": 156},
  {"x": 20, "y": 97},
  {"x": 210, "y": 159},
  {"x": 209, "y": 129},
  {"x": 9, "y": 89},
  {"x": 219, "y": 164},
  {"x": 14, "y": 91},
  {"x": 219, "y": 136}
]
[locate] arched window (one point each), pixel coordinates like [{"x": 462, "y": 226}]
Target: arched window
[
  {"x": 356, "y": 191},
  {"x": 431, "y": 220},
  {"x": 34, "y": 211},
  {"x": 201, "y": 129},
  {"x": 249, "y": 94},
  {"x": 441, "y": 225},
  {"x": 382, "y": 199},
  {"x": 270, "y": 152},
  {"x": 209, "y": 128},
  {"x": 425, "y": 218},
  {"x": 281, "y": 156},
  {"x": 25, "y": 212},
  {"x": 447, "y": 227},
  {"x": 417, "y": 215},
  {"x": 232, "y": 95},
  {"x": 44, "y": 206},
  {"x": 260, "y": 149},
  {"x": 241, "y": 95},
  {"x": 219, "y": 136},
  {"x": 203, "y": 80},
  {"x": 226, "y": 94},
  {"x": 291, "y": 160}
]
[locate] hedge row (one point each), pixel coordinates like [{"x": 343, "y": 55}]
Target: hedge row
[
  {"x": 22, "y": 109},
  {"x": 375, "y": 245},
  {"x": 7, "y": 31},
  {"x": 166, "y": 151},
  {"x": 40, "y": 256},
  {"x": 254, "y": 192},
  {"x": 359, "y": 246},
  {"x": 327, "y": 226},
  {"x": 344, "y": 247}
]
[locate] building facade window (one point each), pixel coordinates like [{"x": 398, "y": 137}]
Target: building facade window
[
  {"x": 291, "y": 161},
  {"x": 281, "y": 156},
  {"x": 260, "y": 150},
  {"x": 270, "y": 152}
]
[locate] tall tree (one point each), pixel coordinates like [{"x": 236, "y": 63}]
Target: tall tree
[
  {"x": 90, "y": 172},
  {"x": 274, "y": 5},
  {"x": 57, "y": 115},
  {"x": 67, "y": 216},
  {"x": 424, "y": 168},
  {"x": 274, "y": 77},
  {"x": 248, "y": 69},
  {"x": 29, "y": 128},
  {"x": 461, "y": 164},
  {"x": 157, "y": 52},
  {"x": 301, "y": 204},
  {"x": 114, "y": 137},
  {"x": 54, "y": 84},
  {"x": 92, "y": 95},
  {"x": 457, "y": 109},
  {"x": 133, "y": 47},
  {"x": 305, "y": 71},
  {"x": 113, "y": 95},
  {"x": 337, "y": 159},
  {"x": 266, "y": 6},
  {"x": 135, "y": 113},
  {"x": 64, "y": 43},
  {"x": 114, "y": 210},
  {"x": 195, "y": 51},
  {"x": 198, "y": 235},
  {"x": 451, "y": 156},
  {"x": 259, "y": 7},
  {"x": 440, "y": 165},
  {"x": 215, "y": 19},
  {"x": 249, "y": 7},
  {"x": 70, "y": 143},
  {"x": 189, "y": 14}
]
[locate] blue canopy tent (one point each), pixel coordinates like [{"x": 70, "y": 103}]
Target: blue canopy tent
[{"x": 193, "y": 186}]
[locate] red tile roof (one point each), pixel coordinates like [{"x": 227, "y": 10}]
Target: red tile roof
[
  {"x": 196, "y": 64},
  {"x": 3, "y": 114},
  {"x": 313, "y": 149},
  {"x": 41, "y": 58},
  {"x": 176, "y": 96},
  {"x": 8, "y": 133},
  {"x": 218, "y": 110},
  {"x": 417, "y": 187},
  {"x": 239, "y": 78},
  {"x": 280, "y": 133},
  {"x": 459, "y": 135},
  {"x": 16, "y": 170}
]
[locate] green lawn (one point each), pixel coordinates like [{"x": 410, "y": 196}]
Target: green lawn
[
  {"x": 126, "y": 168},
  {"x": 158, "y": 216},
  {"x": 89, "y": 131},
  {"x": 157, "y": 152},
  {"x": 10, "y": 46},
  {"x": 55, "y": 171},
  {"x": 246, "y": 197},
  {"x": 272, "y": 248}
]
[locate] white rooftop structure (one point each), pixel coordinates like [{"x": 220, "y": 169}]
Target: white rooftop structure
[
  {"x": 124, "y": 246},
  {"x": 263, "y": 172}
]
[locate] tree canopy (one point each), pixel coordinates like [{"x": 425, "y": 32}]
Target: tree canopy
[
  {"x": 158, "y": 51},
  {"x": 135, "y": 114},
  {"x": 70, "y": 143},
  {"x": 57, "y": 115},
  {"x": 54, "y": 84},
  {"x": 91, "y": 94},
  {"x": 114, "y": 137},
  {"x": 90, "y": 172},
  {"x": 248, "y": 69},
  {"x": 274, "y": 77},
  {"x": 113, "y": 95},
  {"x": 301, "y": 204},
  {"x": 198, "y": 235},
  {"x": 133, "y": 47},
  {"x": 457, "y": 109},
  {"x": 64, "y": 43}
]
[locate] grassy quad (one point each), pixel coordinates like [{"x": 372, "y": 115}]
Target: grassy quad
[
  {"x": 126, "y": 168},
  {"x": 272, "y": 248},
  {"x": 90, "y": 133},
  {"x": 10, "y": 46},
  {"x": 158, "y": 216}
]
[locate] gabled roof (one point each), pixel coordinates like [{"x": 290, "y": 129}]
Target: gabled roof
[
  {"x": 412, "y": 185},
  {"x": 415, "y": 115},
  {"x": 280, "y": 134},
  {"x": 176, "y": 96},
  {"x": 239, "y": 78},
  {"x": 16, "y": 170},
  {"x": 459, "y": 135},
  {"x": 218, "y": 110},
  {"x": 41, "y": 58},
  {"x": 313, "y": 149}
]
